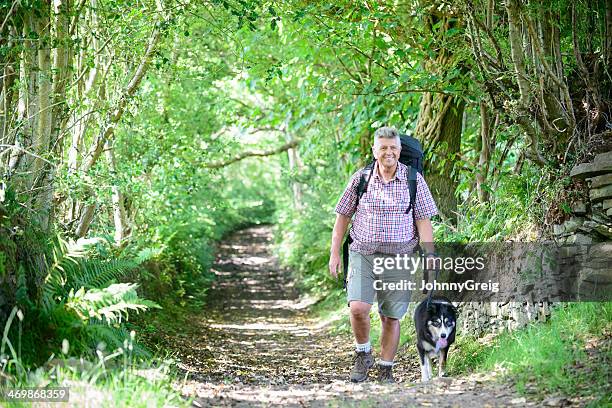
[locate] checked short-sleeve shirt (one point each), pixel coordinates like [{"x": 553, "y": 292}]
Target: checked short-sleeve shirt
[{"x": 381, "y": 223}]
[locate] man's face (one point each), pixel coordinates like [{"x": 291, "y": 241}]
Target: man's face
[{"x": 387, "y": 151}]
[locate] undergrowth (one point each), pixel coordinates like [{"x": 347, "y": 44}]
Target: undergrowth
[
  {"x": 112, "y": 377},
  {"x": 570, "y": 354}
]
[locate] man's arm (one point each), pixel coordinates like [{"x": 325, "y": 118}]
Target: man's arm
[
  {"x": 342, "y": 222},
  {"x": 424, "y": 209},
  {"x": 426, "y": 235}
]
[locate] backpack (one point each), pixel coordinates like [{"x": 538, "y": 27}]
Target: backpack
[{"x": 412, "y": 156}]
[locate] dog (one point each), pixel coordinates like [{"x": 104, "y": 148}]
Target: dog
[{"x": 435, "y": 333}]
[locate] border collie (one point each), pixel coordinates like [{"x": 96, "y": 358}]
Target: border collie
[{"x": 435, "y": 332}]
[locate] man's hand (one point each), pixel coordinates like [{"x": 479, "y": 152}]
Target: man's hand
[
  {"x": 334, "y": 264},
  {"x": 433, "y": 262},
  {"x": 425, "y": 229},
  {"x": 342, "y": 222}
]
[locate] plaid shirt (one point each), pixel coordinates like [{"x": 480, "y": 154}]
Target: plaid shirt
[{"x": 381, "y": 223}]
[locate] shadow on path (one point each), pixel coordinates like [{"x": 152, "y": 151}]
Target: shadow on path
[{"x": 255, "y": 345}]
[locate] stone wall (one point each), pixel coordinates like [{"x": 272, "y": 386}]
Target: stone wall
[
  {"x": 492, "y": 317},
  {"x": 588, "y": 229},
  {"x": 591, "y": 221}
]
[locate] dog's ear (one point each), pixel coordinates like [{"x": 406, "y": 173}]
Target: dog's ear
[{"x": 431, "y": 309}]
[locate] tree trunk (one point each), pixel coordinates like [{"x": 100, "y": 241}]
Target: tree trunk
[
  {"x": 295, "y": 166},
  {"x": 110, "y": 123},
  {"x": 85, "y": 220},
  {"x": 119, "y": 217},
  {"x": 366, "y": 140},
  {"x": 439, "y": 126},
  {"x": 42, "y": 170},
  {"x": 484, "y": 158},
  {"x": 440, "y": 120},
  {"x": 516, "y": 50},
  {"x": 6, "y": 104}
]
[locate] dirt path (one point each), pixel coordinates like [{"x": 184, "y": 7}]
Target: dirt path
[{"x": 254, "y": 344}]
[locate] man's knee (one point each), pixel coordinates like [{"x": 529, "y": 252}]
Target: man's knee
[
  {"x": 359, "y": 309},
  {"x": 389, "y": 321}
]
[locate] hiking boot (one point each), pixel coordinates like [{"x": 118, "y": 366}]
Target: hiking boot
[
  {"x": 385, "y": 374},
  {"x": 363, "y": 362}
]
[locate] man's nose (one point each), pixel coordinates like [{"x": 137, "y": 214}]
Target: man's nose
[{"x": 443, "y": 335}]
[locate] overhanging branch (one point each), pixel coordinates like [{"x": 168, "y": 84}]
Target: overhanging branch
[{"x": 253, "y": 153}]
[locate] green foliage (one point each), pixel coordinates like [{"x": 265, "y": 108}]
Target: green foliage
[
  {"x": 230, "y": 77},
  {"x": 502, "y": 216},
  {"x": 569, "y": 354},
  {"x": 81, "y": 302},
  {"x": 72, "y": 270},
  {"x": 110, "y": 304},
  {"x": 104, "y": 380}
]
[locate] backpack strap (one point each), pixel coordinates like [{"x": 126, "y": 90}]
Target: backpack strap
[
  {"x": 345, "y": 257},
  {"x": 412, "y": 189},
  {"x": 362, "y": 187},
  {"x": 364, "y": 180}
]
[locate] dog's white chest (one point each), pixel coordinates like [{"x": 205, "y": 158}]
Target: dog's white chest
[{"x": 426, "y": 346}]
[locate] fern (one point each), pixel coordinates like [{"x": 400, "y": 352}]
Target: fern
[
  {"x": 111, "y": 304},
  {"x": 147, "y": 254},
  {"x": 113, "y": 337},
  {"x": 65, "y": 265},
  {"x": 80, "y": 295},
  {"x": 97, "y": 273},
  {"x": 71, "y": 270}
]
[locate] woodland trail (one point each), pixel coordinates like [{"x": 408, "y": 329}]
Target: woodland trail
[{"x": 255, "y": 344}]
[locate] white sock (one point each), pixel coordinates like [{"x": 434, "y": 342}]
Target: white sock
[
  {"x": 367, "y": 347},
  {"x": 385, "y": 363}
]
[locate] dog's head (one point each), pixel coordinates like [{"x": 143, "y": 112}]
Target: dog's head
[{"x": 441, "y": 319}]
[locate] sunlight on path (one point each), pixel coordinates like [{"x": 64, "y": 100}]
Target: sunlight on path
[{"x": 255, "y": 345}]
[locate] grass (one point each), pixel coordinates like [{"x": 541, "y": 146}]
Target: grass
[
  {"x": 129, "y": 385},
  {"x": 115, "y": 379},
  {"x": 570, "y": 354}
]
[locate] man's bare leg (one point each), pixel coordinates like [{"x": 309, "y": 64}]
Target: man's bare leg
[
  {"x": 360, "y": 321},
  {"x": 389, "y": 340}
]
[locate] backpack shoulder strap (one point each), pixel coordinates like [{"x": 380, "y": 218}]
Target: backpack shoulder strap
[
  {"x": 364, "y": 180},
  {"x": 412, "y": 188},
  {"x": 345, "y": 258}
]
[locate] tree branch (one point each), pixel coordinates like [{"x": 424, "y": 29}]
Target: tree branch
[
  {"x": 253, "y": 153},
  {"x": 113, "y": 118}
]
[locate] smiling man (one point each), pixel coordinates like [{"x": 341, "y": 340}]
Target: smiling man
[{"x": 381, "y": 228}]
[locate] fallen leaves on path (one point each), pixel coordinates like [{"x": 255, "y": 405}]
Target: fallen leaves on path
[{"x": 254, "y": 344}]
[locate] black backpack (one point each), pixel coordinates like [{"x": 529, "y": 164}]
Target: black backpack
[{"x": 412, "y": 156}]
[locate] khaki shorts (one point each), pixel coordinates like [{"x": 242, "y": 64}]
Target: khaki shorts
[{"x": 370, "y": 278}]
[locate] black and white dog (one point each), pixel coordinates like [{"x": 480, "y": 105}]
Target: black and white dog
[{"x": 435, "y": 332}]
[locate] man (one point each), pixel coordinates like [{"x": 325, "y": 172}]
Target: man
[{"x": 381, "y": 227}]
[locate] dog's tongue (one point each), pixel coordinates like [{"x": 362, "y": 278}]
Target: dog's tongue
[{"x": 440, "y": 344}]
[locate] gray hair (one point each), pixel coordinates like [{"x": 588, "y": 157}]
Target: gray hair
[{"x": 386, "y": 132}]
